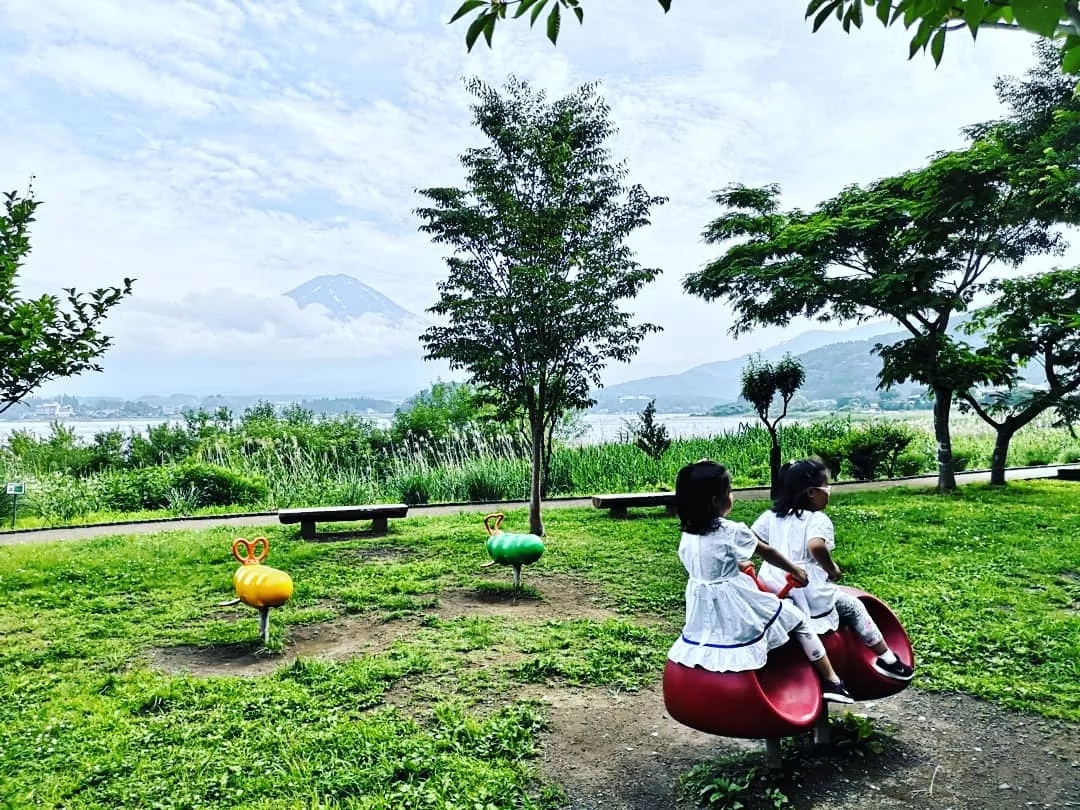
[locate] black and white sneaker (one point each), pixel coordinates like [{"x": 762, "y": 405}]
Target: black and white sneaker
[
  {"x": 897, "y": 670},
  {"x": 836, "y": 693}
]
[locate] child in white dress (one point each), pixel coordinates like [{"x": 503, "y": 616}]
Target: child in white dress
[
  {"x": 798, "y": 527},
  {"x": 730, "y": 624}
]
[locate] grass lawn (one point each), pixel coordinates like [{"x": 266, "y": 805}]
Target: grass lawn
[{"x": 987, "y": 583}]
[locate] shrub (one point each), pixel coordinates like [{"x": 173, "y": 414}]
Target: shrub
[
  {"x": 218, "y": 486},
  {"x": 559, "y": 479},
  {"x": 1069, "y": 455},
  {"x": 134, "y": 490},
  {"x": 912, "y": 462},
  {"x": 491, "y": 481},
  {"x": 831, "y": 452},
  {"x": 414, "y": 489},
  {"x": 162, "y": 444},
  {"x": 60, "y": 498},
  {"x": 61, "y": 451},
  {"x": 875, "y": 448},
  {"x": 650, "y": 437}
]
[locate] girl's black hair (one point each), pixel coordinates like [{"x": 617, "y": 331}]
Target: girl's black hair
[
  {"x": 695, "y": 488},
  {"x": 796, "y": 481}
]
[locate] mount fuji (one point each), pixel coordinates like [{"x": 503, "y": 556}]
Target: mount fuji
[{"x": 344, "y": 297}]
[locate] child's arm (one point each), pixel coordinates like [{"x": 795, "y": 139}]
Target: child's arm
[
  {"x": 771, "y": 555},
  {"x": 820, "y": 552}
]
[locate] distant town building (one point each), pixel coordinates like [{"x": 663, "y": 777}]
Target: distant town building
[{"x": 52, "y": 410}]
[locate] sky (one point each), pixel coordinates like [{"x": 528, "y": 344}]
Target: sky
[{"x": 222, "y": 152}]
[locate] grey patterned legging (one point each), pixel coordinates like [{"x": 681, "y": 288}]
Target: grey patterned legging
[
  {"x": 853, "y": 613},
  {"x": 807, "y": 638}
]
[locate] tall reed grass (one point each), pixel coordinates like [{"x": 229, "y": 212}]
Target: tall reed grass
[{"x": 329, "y": 464}]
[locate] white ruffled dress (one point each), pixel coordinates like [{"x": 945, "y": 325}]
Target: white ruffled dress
[
  {"x": 730, "y": 624},
  {"x": 790, "y": 535}
]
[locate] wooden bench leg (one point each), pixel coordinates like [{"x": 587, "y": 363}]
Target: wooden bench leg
[
  {"x": 618, "y": 512},
  {"x": 307, "y": 529},
  {"x": 378, "y": 525}
]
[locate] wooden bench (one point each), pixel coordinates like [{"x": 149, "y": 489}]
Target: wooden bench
[
  {"x": 378, "y": 514},
  {"x": 618, "y": 504}
]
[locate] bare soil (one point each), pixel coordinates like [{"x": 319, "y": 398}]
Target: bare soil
[{"x": 621, "y": 751}]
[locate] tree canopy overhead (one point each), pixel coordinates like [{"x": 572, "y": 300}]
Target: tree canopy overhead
[
  {"x": 539, "y": 267},
  {"x": 930, "y": 21}
]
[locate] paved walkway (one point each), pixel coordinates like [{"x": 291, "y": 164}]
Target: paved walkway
[{"x": 20, "y": 536}]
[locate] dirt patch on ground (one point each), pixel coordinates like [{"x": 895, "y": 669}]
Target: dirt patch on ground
[
  {"x": 555, "y": 597},
  {"x": 950, "y": 752},
  {"x": 621, "y": 751}
]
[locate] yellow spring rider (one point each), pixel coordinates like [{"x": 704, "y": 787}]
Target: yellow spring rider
[{"x": 256, "y": 584}]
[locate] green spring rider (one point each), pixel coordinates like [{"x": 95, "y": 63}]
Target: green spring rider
[{"x": 514, "y": 550}]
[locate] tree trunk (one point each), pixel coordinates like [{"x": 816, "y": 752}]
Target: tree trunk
[
  {"x": 1001, "y": 455},
  {"x": 942, "y": 407},
  {"x": 545, "y": 475},
  {"x": 536, "y": 524},
  {"x": 774, "y": 465}
]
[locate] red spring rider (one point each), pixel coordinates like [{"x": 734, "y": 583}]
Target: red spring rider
[{"x": 723, "y": 679}]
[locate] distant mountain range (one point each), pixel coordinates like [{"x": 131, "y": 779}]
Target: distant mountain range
[{"x": 838, "y": 364}]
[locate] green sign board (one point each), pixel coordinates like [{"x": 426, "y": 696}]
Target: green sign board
[{"x": 15, "y": 488}]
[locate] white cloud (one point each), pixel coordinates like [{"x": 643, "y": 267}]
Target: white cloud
[
  {"x": 101, "y": 71},
  {"x": 224, "y": 323},
  {"x": 249, "y": 145}
]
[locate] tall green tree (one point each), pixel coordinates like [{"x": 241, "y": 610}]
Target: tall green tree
[
  {"x": 650, "y": 436},
  {"x": 1041, "y": 129},
  {"x": 436, "y": 413},
  {"x": 40, "y": 340},
  {"x": 930, "y": 20},
  {"x": 1030, "y": 323},
  {"x": 761, "y": 384},
  {"x": 915, "y": 247},
  {"x": 539, "y": 264}
]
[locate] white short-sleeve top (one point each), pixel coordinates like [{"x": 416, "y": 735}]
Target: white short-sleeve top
[
  {"x": 790, "y": 535},
  {"x": 730, "y": 625}
]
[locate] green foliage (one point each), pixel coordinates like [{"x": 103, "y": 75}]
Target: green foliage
[
  {"x": 762, "y": 383},
  {"x": 872, "y": 451},
  {"x": 218, "y": 486},
  {"x": 1030, "y": 321},
  {"x": 344, "y": 461},
  {"x": 916, "y": 247},
  {"x": 60, "y": 451},
  {"x": 438, "y": 413},
  {"x": 40, "y": 340},
  {"x": 650, "y": 437},
  {"x": 930, "y": 19},
  {"x": 539, "y": 264}
]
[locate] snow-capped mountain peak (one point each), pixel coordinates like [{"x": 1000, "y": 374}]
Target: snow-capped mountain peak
[{"x": 345, "y": 297}]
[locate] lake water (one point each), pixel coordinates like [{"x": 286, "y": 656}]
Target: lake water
[{"x": 599, "y": 427}]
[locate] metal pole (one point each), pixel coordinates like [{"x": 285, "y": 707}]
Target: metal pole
[
  {"x": 14, "y": 508},
  {"x": 264, "y": 624},
  {"x": 773, "y": 759}
]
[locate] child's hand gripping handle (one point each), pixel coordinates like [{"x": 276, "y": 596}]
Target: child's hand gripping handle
[
  {"x": 791, "y": 582},
  {"x": 747, "y": 568}
]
